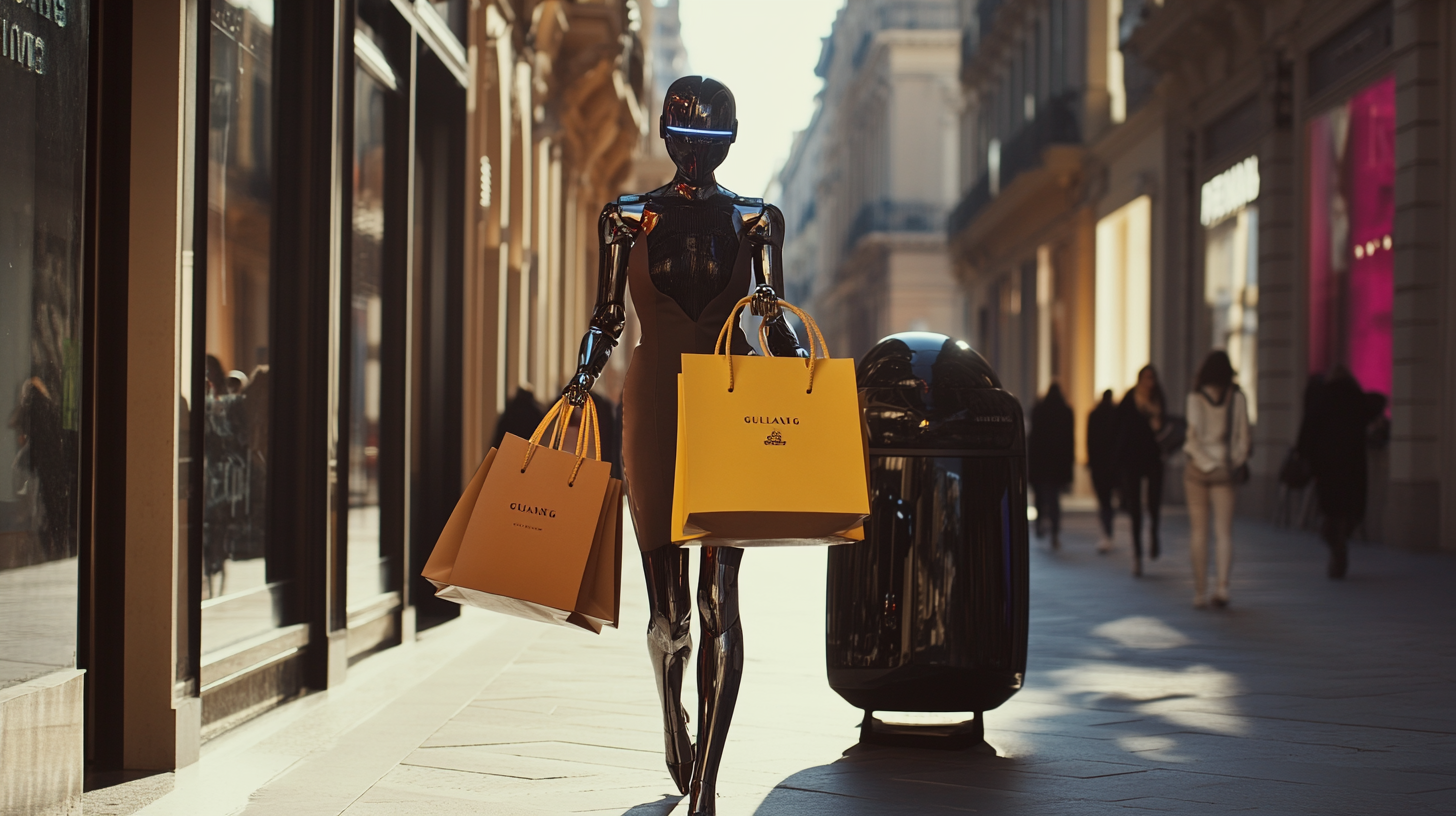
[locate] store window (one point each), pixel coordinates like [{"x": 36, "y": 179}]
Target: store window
[
  {"x": 1123, "y": 301},
  {"x": 43, "y": 70},
  {"x": 375, "y": 275},
  {"x": 1231, "y": 270},
  {"x": 1351, "y": 199},
  {"x": 244, "y": 583}
]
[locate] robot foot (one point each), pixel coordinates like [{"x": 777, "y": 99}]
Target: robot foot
[
  {"x": 680, "y": 754},
  {"x": 682, "y": 775},
  {"x": 702, "y": 802}
]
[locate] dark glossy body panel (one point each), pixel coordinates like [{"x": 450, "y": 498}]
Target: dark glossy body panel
[
  {"x": 929, "y": 612},
  {"x": 701, "y": 244}
]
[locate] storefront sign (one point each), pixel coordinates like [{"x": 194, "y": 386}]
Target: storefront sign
[
  {"x": 1226, "y": 192},
  {"x": 27, "y": 47}
]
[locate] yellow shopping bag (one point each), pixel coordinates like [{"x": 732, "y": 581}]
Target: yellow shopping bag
[{"x": 770, "y": 450}]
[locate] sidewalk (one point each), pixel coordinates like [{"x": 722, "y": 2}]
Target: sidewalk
[{"x": 1307, "y": 696}]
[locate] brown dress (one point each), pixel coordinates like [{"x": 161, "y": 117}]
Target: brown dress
[{"x": 649, "y": 398}]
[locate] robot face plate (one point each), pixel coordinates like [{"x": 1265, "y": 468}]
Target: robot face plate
[{"x": 699, "y": 123}]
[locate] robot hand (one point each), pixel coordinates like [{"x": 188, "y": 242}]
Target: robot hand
[
  {"x": 578, "y": 391},
  {"x": 765, "y": 302}
]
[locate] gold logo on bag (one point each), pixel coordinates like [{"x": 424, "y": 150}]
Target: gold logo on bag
[
  {"x": 534, "y": 511},
  {"x": 775, "y": 438},
  {"x": 764, "y": 420}
]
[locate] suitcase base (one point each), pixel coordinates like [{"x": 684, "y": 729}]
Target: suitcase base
[{"x": 969, "y": 735}]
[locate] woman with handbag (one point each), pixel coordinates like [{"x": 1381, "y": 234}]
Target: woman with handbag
[{"x": 1218, "y": 449}]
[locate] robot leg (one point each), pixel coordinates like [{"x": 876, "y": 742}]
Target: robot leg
[
  {"x": 670, "y": 644},
  {"x": 720, "y": 669}
]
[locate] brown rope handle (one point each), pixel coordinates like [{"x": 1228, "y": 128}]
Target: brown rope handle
[{"x": 723, "y": 346}]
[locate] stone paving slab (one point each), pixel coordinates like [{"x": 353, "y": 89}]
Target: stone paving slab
[{"x": 1307, "y": 696}]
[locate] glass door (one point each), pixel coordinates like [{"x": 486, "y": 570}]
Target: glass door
[
  {"x": 373, "y": 400},
  {"x": 244, "y": 582}
]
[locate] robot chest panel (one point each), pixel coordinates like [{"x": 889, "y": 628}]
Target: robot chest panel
[{"x": 691, "y": 252}]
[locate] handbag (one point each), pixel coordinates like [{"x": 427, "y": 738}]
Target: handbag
[
  {"x": 1237, "y": 475},
  {"x": 538, "y": 532},
  {"x": 747, "y": 426}
]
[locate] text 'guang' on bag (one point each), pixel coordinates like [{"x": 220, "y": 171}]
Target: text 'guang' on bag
[{"x": 538, "y": 532}]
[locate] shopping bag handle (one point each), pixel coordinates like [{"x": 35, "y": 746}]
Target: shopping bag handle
[
  {"x": 557, "y": 420},
  {"x": 724, "y": 347}
]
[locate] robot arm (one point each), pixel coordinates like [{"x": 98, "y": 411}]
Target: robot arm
[
  {"x": 766, "y": 237},
  {"x": 617, "y": 232}
]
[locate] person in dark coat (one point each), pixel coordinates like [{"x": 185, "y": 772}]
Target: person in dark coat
[
  {"x": 1049, "y": 459},
  {"x": 521, "y": 416},
  {"x": 1332, "y": 439},
  {"x": 1139, "y": 459},
  {"x": 1101, "y": 461}
]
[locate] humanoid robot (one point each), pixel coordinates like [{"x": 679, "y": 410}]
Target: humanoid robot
[{"x": 704, "y": 247}]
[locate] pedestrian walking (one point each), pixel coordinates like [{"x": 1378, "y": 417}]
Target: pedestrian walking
[
  {"x": 1332, "y": 438},
  {"x": 1218, "y": 446},
  {"x": 1139, "y": 459},
  {"x": 1102, "y": 462},
  {"x": 1049, "y": 460}
]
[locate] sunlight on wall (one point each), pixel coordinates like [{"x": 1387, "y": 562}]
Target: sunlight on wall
[{"x": 1123, "y": 297}]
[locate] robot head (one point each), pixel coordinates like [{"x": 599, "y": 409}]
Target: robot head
[{"x": 699, "y": 122}]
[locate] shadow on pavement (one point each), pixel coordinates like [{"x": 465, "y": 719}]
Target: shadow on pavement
[
  {"x": 661, "y": 807},
  {"x": 891, "y": 780}
]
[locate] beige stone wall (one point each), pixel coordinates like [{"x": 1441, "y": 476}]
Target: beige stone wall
[
  {"x": 42, "y": 759},
  {"x": 561, "y": 109}
]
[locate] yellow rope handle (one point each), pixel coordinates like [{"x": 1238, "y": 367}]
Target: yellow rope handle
[
  {"x": 535, "y": 440},
  {"x": 725, "y": 347},
  {"x": 558, "y": 420},
  {"x": 589, "y": 417},
  {"x": 812, "y": 327}
]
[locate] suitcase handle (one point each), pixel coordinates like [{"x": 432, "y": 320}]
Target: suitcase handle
[{"x": 722, "y": 346}]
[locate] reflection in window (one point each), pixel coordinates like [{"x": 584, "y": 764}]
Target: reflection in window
[
  {"x": 240, "y": 588},
  {"x": 368, "y": 566},
  {"x": 1351, "y": 220},
  {"x": 41, "y": 165}
]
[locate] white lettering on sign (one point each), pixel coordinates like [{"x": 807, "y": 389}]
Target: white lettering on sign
[
  {"x": 24, "y": 48},
  {"x": 1226, "y": 192},
  {"x": 27, "y": 48}
]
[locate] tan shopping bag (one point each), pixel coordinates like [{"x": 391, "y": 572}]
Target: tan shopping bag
[
  {"x": 538, "y": 532},
  {"x": 770, "y": 450}
]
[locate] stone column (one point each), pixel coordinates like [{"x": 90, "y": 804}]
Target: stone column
[
  {"x": 1282, "y": 295},
  {"x": 162, "y": 729},
  {"x": 1413, "y": 512}
]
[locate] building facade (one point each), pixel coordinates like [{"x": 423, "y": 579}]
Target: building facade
[
  {"x": 1023, "y": 229},
  {"x": 276, "y": 269},
  {"x": 1259, "y": 177},
  {"x": 867, "y": 186},
  {"x": 1318, "y": 139}
]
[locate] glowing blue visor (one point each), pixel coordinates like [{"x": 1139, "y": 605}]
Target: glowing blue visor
[{"x": 699, "y": 134}]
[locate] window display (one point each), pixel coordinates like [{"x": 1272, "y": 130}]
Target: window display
[
  {"x": 1351, "y": 242},
  {"x": 242, "y": 596},
  {"x": 1231, "y": 270},
  {"x": 43, "y": 93}
]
